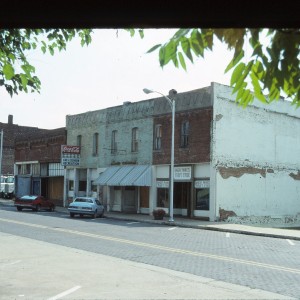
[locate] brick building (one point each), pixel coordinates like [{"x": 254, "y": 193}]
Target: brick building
[
  {"x": 10, "y": 133},
  {"x": 230, "y": 162},
  {"x": 38, "y": 168}
]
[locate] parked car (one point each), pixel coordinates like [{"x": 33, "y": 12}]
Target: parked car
[
  {"x": 34, "y": 202},
  {"x": 86, "y": 206}
]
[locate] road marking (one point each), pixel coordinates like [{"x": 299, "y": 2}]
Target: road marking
[
  {"x": 133, "y": 223},
  {"x": 172, "y": 228},
  {"x": 227, "y": 234},
  {"x": 159, "y": 247},
  {"x": 65, "y": 293},
  {"x": 291, "y": 243}
]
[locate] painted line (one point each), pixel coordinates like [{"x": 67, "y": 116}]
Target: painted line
[
  {"x": 227, "y": 234},
  {"x": 159, "y": 247},
  {"x": 11, "y": 263},
  {"x": 65, "y": 293},
  {"x": 133, "y": 223},
  {"x": 172, "y": 228},
  {"x": 290, "y": 242}
]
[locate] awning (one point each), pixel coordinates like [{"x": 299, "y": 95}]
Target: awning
[{"x": 126, "y": 176}]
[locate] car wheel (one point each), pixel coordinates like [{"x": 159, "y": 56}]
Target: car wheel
[
  {"x": 94, "y": 215},
  {"x": 101, "y": 215},
  {"x": 72, "y": 215},
  {"x": 19, "y": 208},
  {"x": 37, "y": 208}
]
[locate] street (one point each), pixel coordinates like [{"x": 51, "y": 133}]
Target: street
[{"x": 48, "y": 255}]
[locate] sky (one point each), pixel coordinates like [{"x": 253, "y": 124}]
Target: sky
[{"x": 113, "y": 69}]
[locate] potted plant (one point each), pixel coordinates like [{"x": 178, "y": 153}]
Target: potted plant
[{"x": 158, "y": 214}]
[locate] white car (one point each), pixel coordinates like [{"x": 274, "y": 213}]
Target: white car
[{"x": 86, "y": 206}]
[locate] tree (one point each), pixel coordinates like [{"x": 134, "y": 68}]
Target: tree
[
  {"x": 271, "y": 71},
  {"x": 16, "y": 73}
]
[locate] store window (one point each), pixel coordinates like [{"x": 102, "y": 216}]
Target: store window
[
  {"x": 71, "y": 185},
  {"x": 162, "y": 197},
  {"x": 202, "y": 199}
]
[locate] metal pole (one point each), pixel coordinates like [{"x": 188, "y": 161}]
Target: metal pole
[
  {"x": 1, "y": 152},
  {"x": 171, "y": 101},
  {"x": 172, "y": 163}
]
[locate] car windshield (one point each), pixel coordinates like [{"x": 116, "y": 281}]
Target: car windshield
[
  {"x": 28, "y": 198},
  {"x": 84, "y": 200}
]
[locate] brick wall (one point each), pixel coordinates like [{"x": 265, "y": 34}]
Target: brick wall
[{"x": 198, "y": 150}]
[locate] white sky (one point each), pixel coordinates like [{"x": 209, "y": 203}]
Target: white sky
[{"x": 111, "y": 70}]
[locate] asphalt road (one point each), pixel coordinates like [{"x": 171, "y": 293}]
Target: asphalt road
[{"x": 267, "y": 264}]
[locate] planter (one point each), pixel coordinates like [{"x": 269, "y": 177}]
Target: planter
[{"x": 158, "y": 214}]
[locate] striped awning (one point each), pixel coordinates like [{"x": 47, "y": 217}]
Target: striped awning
[{"x": 140, "y": 175}]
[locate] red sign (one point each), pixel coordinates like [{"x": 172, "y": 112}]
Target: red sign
[{"x": 70, "y": 149}]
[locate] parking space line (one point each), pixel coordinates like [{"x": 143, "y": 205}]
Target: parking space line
[
  {"x": 227, "y": 234},
  {"x": 65, "y": 293},
  {"x": 132, "y": 223},
  {"x": 291, "y": 243},
  {"x": 172, "y": 228}
]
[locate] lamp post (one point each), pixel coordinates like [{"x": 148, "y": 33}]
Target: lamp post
[{"x": 171, "y": 102}]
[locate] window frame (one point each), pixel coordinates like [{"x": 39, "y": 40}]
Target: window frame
[
  {"x": 184, "y": 134},
  {"x": 157, "y": 137},
  {"x": 134, "y": 139}
]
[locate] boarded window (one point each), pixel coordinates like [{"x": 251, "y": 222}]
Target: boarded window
[
  {"x": 157, "y": 137},
  {"x": 134, "y": 140},
  {"x": 114, "y": 146},
  {"x": 184, "y": 134},
  {"x": 95, "y": 143}
]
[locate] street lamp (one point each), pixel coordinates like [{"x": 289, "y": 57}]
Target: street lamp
[{"x": 171, "y": 101}]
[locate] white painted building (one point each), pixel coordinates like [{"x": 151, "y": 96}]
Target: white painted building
[{"x": 255, "y": 158}]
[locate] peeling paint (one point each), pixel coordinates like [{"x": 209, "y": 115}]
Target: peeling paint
[
  {"x": 225, "y": 214},
  {"x": 295, "y": 176},
  {"x": 227, "y": 172},
  {"x": 219, "y": 117}
]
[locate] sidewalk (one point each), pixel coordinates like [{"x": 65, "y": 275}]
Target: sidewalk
[
  {"x": 291, "y": 234},
  {"x": 265, "y": 230}
]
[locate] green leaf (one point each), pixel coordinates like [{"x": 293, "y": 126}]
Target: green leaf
[
  {"x": 237, "y": 73},
  {"x": 185, "y": 45},
  {"x": 234, "y": 61},
  {"x": 154, "y": 48},
  {"x": 8, "y": 71},
  {"x": 24, "y": 80},
  {"x": 182, "y": 61}
]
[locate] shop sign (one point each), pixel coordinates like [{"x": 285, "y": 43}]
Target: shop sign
[
  {"x": 70, "y": 155},
  {"x": 201, "y": 184},
  {"x": 162, "y": 184},
  {"x": 182, "y": 173}
]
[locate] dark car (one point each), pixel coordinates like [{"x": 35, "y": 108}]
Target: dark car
[{"x": 34, "y": 202}]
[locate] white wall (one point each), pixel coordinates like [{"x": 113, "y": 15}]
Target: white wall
[{"x": 255, "y": 150}]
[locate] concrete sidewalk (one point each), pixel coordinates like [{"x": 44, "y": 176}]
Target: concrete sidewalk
[{"x": 266, "y": 230}]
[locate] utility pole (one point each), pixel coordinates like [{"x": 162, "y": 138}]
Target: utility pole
[{"x": 1, "y": 151}]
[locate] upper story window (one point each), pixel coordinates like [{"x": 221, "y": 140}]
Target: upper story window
[
  {"x": 79, "y": 140},
  {"x": 134, "y": 139},
  {"x": 95, "y": 143},
  {"x": 157, "y": 137},
  {"x": 184, "y": 134},
  {"x": 114, "y": 146}
]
